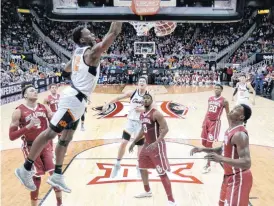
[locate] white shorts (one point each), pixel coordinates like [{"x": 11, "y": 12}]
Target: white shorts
[
  {"x": 70, "y": 109},
  {"x": 133, "y": 127},
  {"x": 243, "y": 101}
]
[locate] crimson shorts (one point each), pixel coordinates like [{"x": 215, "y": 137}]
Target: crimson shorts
[
  {"x": 157, "y": 158},
  {"x": 235, "y": 189},
  {"x": 210, "y": 132},
  {"x": 44, "y": 162}
]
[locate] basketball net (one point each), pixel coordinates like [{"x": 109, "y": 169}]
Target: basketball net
[{"x": 148, "y": 8}]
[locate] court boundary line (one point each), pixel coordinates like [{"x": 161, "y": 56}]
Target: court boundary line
[{"x": 114, "y": 142}]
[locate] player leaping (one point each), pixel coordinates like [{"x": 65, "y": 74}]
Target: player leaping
[
  {"x": 84, "y": 70},
  {"x": 133, "y": 124}
]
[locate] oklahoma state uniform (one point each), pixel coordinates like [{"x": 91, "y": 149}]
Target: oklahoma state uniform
[
  {"x": 212, "y": 122},
  {"x": 237, "y": 183},
  {"x": 157, "y": 157},
  {"x": 44, "y": 162}
]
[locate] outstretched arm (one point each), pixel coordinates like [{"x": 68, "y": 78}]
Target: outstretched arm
[
  {"x": 123, "y": 96},
  {"x": 114, "y": 31},
  {"x": 217, "y": 150}
]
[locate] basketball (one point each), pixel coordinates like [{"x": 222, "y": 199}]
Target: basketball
[{"x": 164, "y": 28}]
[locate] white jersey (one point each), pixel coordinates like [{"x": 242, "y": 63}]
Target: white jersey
[
  {"x": 136, "y": 100},
  {"x": 243, "y": 92},
  {"x": 83, "y": 77}
]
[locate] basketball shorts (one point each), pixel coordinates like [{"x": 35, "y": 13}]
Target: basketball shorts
[
  {"x": 235, "y": 189},
  {"x": 210, "y": 132},
  {"x": 243, "y": 101},
  {"x": 133, "y": 127},
  {"x": 154, "y": 159},
  {"x": 70, "y": 109},
  {"x": 44, "y": 162}
]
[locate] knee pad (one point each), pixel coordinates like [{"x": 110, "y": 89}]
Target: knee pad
[
  {"x": 140, "y": 142},
  {"x": 63, "y": 143},
  {"x": 126, "y": 135},
  {"x": 34, "y": 195}
]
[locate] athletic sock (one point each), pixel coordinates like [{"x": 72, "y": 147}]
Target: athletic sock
[
  {"x": 58, "y": 169},
  {"x": 28, "y": 164}
]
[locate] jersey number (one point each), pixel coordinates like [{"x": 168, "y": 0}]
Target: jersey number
[
  {"x": 76, "y": 63},
  {"x": 212, "y": 108},
  {"x": 145, "y": 128}
]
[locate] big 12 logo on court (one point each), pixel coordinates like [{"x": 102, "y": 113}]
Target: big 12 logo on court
[
  {"x": 127, "y": 173},
  {"x": 120, "y": 109}
]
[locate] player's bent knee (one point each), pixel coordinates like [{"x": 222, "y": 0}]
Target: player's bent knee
[
  {"x": 63, "y": 143},
  {"x": 126, "y": 136}
]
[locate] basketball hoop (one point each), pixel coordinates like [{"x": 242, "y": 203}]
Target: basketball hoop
[
  {"x": 142, "y": 28},
  {"x": 146, "y": 8}
]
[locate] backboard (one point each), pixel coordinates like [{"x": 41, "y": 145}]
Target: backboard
[{"x": 170, "y": 10}]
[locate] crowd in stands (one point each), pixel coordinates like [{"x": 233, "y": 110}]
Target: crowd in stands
[
  {"x": 261, "y": 41},
  {"x": 183, "y": 49}
]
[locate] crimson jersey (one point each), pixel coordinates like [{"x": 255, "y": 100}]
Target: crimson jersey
[
  {"x": 150, "y": 126},
  {"x": 215, "y": 108},
  {"x": 53, "y": 102},
  {"x": 26, "y": 114},
  {"x": 230, "y": 150}
]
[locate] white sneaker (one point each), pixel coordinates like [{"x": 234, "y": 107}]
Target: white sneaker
[
  {"x": 115, "y": 170},
  {"x": 206, "y": 169},
  {"x": 171, "y": 203},
  {"x": 144, "y": 194}
]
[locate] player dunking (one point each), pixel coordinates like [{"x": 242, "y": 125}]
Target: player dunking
[
  {"x": 133, "y": 125},
  {"x": 236, "y": 160},
  {"x": 242, "y": 88},
  {"x": 212, "y": 122},
  {"x": 153, "y": 154},
  {"x": 84, "y": 70},
  {"x": 28, "y": 121}
]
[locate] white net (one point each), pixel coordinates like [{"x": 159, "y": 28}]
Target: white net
[
  {"x": 142, "y": 28},
  {"x": 161, "y": 28}
]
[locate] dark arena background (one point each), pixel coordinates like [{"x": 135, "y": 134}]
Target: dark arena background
[{"x": 183, "y": 48}]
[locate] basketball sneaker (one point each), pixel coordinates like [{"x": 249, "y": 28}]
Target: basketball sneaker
[
  {"x": 57, "y": 180},
  {"x": 206, "y": 169},
  {"x": 171, "y": 203},
  {"x": 115, "y": 170},
  {"x": 144, "y": 194},
  {"x": 26, "y": 177}
]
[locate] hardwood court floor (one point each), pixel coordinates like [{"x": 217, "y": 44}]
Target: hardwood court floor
[{"x": 100, "y": 132}]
